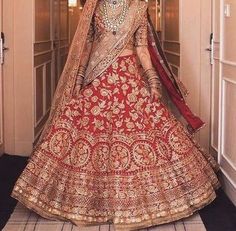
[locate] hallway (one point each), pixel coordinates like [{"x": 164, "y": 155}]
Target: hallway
[{"x": 198, "y": 39}]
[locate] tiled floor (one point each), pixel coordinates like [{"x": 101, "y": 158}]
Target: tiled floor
[
  {"x": 218, "y": 216},
  {"x": 24, "y": 220}
]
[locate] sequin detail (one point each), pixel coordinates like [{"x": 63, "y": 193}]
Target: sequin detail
[{"x": 114, "y": 155}]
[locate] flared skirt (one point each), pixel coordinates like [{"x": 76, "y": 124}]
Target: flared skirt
[{"x": 116, "y": 155}]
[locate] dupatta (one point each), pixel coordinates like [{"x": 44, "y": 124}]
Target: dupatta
[
  {"x": 64, "y": 90},
  {"x": 174, "y": 87}
]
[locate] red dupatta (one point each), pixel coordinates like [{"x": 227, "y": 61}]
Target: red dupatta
[{"x": 174, "y": 87}]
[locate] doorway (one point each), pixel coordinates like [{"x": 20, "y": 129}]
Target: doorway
[
  {"x": 37, "y": 36},
  {"x": 1, "y": 82}
]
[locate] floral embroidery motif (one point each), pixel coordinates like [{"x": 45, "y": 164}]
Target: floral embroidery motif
[
  {"x": 80, "y": 153},
  {"x": 116, "y": 155},
  {"x": 59, "y": 143},
  {"x": 144, "y": 154}
]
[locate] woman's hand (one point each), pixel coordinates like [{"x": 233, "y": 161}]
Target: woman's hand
[{"x": 155, "y": 94}]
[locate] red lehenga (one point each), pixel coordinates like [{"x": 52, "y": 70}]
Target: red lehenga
[{"x": 115, "y": 155}]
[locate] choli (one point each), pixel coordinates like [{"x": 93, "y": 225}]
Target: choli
[{"x": 97, "y": 28}]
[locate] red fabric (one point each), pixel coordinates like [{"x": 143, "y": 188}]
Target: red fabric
[
  {"x": 194, "y": 122},
  {"x": 115, "y": 154}
]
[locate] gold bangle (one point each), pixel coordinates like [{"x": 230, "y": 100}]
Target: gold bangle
[
  {"x": 79, "y": 79},
  {"x": 153, "y": 79},
  {"x": 81, "y": 71}
]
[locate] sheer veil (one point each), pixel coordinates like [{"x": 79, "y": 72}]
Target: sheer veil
[{"x": 67, "y": 79}]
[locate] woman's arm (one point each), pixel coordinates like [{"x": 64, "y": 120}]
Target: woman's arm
[{"x": 141, "y": 44}]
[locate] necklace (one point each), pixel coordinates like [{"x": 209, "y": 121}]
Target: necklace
[
  {"x": 113, "y": 23},
  {"x": 114, "y": 3}
]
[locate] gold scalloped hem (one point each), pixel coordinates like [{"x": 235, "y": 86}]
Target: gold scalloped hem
[{"x": 119, "y": 224}]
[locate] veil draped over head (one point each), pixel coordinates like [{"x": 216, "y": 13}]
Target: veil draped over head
[{"x": 64, "y": 90}]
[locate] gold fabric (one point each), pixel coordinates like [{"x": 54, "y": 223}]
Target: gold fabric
[
  {"x": 140, "y": 36},
  {"x": 106, "y": 46}
]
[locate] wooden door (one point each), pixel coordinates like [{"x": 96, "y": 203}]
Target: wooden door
[
  {"x": 215, "y": 56},
  {"x": 186, "y": 47},
  {"x": 55, "y": 23},
  {"x": 227, "y": 94},
  {"x": 154, "y": 8},
  {"x": 171, "y": 33},
  {"x": 223, "y": 92}
]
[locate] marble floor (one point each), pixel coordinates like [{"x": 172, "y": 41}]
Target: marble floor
[{"x": 23, "y": 219}]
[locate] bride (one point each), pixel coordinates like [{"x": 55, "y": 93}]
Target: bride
[{"x": 111, "y": 151}]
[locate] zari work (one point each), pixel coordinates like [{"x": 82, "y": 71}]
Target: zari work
[
  {"x": 115, "y": 155},
  {"x": 106, "y": 46}
]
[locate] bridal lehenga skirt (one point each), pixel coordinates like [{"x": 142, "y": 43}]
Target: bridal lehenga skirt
[{"x": 117, "y": 156}]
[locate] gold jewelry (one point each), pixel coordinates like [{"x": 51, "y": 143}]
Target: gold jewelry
[
  {"x": 114, "y": 3},
  {"x": 113, "y": 23},
  {"x": 153, "y": 79},
  {"x": 79, "y": 80},
  {"x": 80, "y": 75}
]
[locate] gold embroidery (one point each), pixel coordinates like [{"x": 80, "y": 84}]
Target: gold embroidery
[{"x": 118, "y": 160}]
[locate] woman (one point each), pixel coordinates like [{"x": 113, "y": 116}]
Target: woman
[{"x": 111, "y": 151}]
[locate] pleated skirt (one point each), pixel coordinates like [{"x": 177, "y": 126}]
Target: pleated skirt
[{"x": 114, "y": 155}]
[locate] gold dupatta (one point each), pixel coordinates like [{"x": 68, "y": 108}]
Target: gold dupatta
[{"x": 110, "y": 46}]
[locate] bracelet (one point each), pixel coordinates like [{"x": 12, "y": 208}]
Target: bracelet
[
  {"x": 150, "y": 71},
  {"x": 80, "y": 75},
  {"x": 81, "y": 71},
  {"x": 153, "y": 78},
  {"x": 79, "y": 80}
]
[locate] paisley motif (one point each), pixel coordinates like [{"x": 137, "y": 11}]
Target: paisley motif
[{"x": 162, "y": 149}]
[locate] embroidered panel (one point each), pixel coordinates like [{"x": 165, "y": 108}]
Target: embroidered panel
[{"x": 115, "y": 155}]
